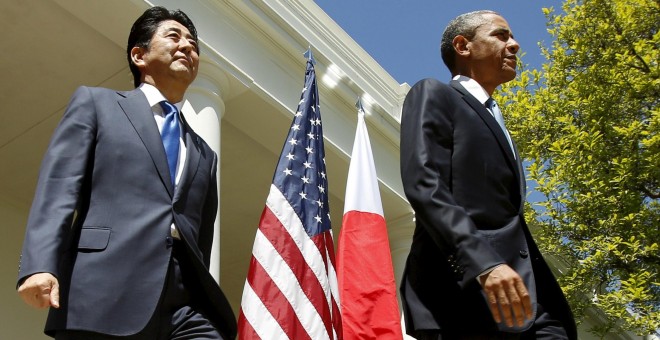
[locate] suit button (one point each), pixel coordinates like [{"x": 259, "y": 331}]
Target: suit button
[
  {"x": 524, "y": 254},
  {"x": 169, "y": 241}
]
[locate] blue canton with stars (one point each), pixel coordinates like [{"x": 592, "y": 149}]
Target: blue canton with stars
[{"x": 300, "y": 173}]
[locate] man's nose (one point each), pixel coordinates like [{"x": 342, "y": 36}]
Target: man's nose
[
  {"x": 185, "y": 45},
  {"x": 512, "y": 46}
]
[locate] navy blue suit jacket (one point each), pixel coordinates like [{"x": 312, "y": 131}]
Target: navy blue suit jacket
[
  {"x": 100, "y": 220},
  {"x": 467, "y": 189}
]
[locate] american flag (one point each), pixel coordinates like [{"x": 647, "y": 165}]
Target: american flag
[{"x": 291, "y": 288}]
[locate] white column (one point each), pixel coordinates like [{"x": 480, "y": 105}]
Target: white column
[{"x": 204, "y": 109}]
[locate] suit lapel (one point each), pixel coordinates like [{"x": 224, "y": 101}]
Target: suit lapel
[
  {"x": 139, "y": 113},
  {"x": 523, "y": 181},
  {"x": 492, "y": 124},
  {"x": 192, "y": 159}
]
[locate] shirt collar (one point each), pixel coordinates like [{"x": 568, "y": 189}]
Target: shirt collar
[
  {"x": 471, "y": 85},
  {"x": 154, "y": 97}
]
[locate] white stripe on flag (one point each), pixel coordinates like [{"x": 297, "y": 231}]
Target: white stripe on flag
[
  {"x": 255, "y": 313},
  {"x": 286, "y": 281},
  {"x": 281, "y": 208},
  {"x": 332, "y": 278}
]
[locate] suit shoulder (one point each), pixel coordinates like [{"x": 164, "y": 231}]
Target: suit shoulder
[
  {"x": 430, "y": 83},
  {"x": 95, "y": 89},
  {"x": 429, "y": 87},
  {"x": 97, "y": 92}
]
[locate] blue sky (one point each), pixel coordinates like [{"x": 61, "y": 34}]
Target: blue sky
[{"x": 403, "y": 36}]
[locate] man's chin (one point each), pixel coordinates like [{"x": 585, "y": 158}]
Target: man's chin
[
  {"x": 185, "y": 73},
  {"x": 182, "y": 68},
  {"x": 510, "y": 73}
]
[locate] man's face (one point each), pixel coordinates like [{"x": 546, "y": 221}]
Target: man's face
[
  {"x": 172, "y": 54},
  {"x": 493, "y": 52}
]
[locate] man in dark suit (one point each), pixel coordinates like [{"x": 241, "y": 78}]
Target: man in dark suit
[
  {"x": 474, "y": 271},
  {"x": 119, "y": 235}
]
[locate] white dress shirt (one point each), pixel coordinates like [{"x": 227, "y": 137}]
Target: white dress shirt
[
  {"x": 154, "y": 97},
  {"x": 478, "y": 92}
]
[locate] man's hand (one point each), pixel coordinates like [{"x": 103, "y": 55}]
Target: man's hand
[
  {"x": 40, "y": 290},
  {"x": 505, "y": 288}
]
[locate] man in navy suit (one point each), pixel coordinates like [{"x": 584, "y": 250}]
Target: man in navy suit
[
  {"x": 474, "y": 270},
  {"x": 119, "y": 235}
]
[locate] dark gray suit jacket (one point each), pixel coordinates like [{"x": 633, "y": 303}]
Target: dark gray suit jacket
[
  {"x": 467, "y": 190},
  {"x": 100, "y": 220}
]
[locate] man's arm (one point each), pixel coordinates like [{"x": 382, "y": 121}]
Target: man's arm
[
  {"x": 427, "y": 144},
  {"x": 63, "y": 171}
]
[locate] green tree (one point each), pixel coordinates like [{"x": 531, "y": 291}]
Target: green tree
[{"x": 588, "y": 125}]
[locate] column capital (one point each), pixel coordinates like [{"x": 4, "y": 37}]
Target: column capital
[{"x": 211, "y": 84}]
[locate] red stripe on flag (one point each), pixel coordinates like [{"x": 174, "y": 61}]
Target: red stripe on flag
[
  {"x": 336, "y": 310},
  {"x": 275, "y": 301},
  {"x": 245, "y": 330},
  {"x": 275, "y": 232},
  {"x": 326, "y": 247},
  {"x": 330, "y": 245}
]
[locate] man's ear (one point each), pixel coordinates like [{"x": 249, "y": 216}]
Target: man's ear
[
  {"x": 461, "y": 45},
  {"x": 137, "y": 56}
]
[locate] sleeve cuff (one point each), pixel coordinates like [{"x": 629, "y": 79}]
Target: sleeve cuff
[{"x": 485, "y": 272}]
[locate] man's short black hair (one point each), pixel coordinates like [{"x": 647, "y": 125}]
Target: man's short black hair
[{"x": 144, "y": 28}]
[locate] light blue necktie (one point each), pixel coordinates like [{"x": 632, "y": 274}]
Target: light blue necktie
[
  {"x": 492, "y": 105},
  {"x": 170, "y": 135}
]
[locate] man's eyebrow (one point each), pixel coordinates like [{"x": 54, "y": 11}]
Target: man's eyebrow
[
  {"x": 173, "y": 28},
  {"x": 177, "y": 30},
  {"x": 503, "y": 30}
]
